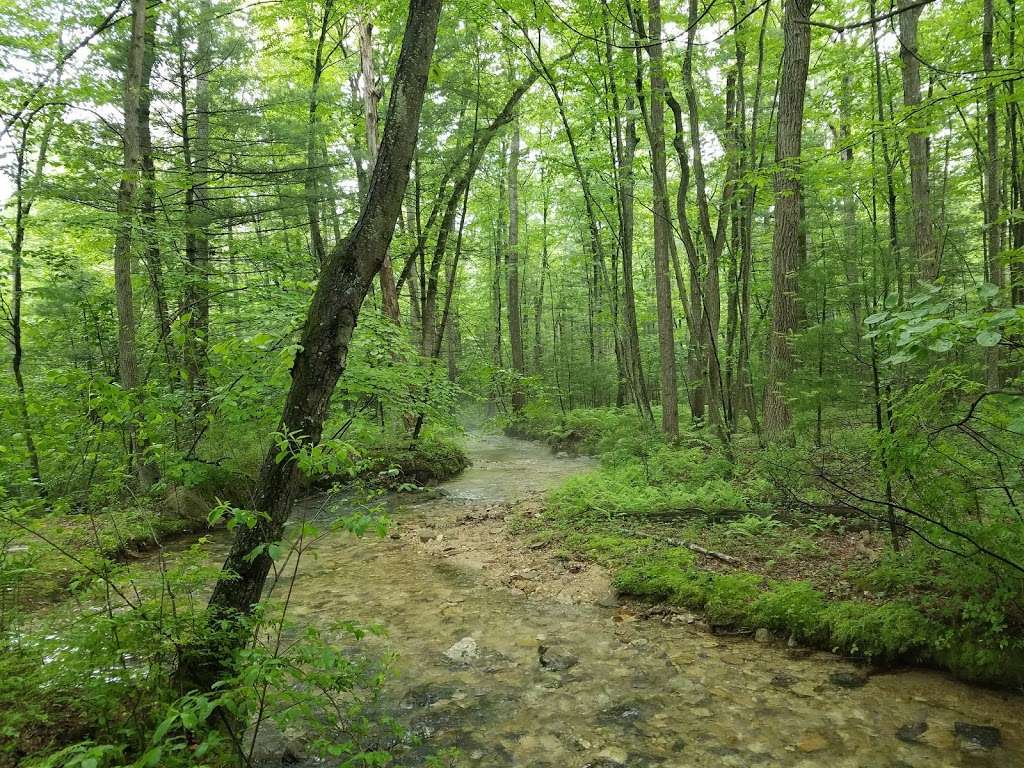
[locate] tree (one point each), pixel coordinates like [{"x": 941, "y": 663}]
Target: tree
[
  {"x": 132, "y": 152},
  {"x": 927, "y": 265},
  {"x": 344, "y": 282},
  {"x": 787, "y": 242},
  {"x": 662, "y": 226},
  {"x": 515, "y": 321}
]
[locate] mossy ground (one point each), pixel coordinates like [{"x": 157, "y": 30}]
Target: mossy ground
[{"x": 823, "y": 579}]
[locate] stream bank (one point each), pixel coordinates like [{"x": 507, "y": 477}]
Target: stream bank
[{"x": 518, "y": 656}]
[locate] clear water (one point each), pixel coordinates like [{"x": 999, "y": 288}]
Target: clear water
[{"x": 643, "y": 692}]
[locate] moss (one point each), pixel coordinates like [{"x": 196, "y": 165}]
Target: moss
[
  {"x": 889, "y": 632},
  {"x": 392, "y": 460}
]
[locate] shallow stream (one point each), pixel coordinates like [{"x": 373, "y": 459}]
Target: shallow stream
[{"x": 615, "y": 690}]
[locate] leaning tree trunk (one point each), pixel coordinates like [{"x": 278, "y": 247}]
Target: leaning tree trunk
[
  {"x": 787, "y": 242},
  {"x": 344, "y": 282}
]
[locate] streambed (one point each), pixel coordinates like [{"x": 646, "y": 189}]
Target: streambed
[{"x": 535, "y": 663}]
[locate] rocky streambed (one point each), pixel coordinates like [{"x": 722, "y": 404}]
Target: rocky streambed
[{"x": 518, "y": 658}]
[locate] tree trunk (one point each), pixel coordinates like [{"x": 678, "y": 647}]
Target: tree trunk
[
  {"x": 850, "y": 266},
  {"x": 371, "y": 97},
  {"x": 993, "y": 228},
  {"x": 432, "y": 274},
  {"x": 789, "y": 234},
  {"x": 515, "y": 321},
  {"x": 316, "y": 240},
  {"x": 920, "y": 199},
  {"x": 23, "y": 199},
  {"x": 127, "y": 365},
  {"x": 344, "y": 283},
  {"x": 538, "y": 300},
  {"x": 154, "y": 265},
  {"x": 625, "y": 151},
  {"x": 662, "y": 229}
]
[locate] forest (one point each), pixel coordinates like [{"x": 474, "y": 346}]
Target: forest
[{"x": 579, "y": 383}]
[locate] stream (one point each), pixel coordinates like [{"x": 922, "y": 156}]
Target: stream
[{"x": 613, "y": 688}]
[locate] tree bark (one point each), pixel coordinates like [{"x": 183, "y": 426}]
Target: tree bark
[
  {"x": 917, "y": 141},
  {"x": 147, "y": 205},
  {"x": 625, "y": 142},
  {"x": 993, "y": 228},
  {"x": 662, "y": 228},
  {"x": 24, "y": 197},
  {"x": 788, "y": 238},
  {"x": 515, "y": 321},
  {"x": 344, "y": 283},
  {"x": 127, "y": 365},
  {"x": 316, "y": 240},
  {"x": 371, "y": 97}
]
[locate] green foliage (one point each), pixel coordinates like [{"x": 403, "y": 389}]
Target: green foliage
[{"x": 754, "y": 527}]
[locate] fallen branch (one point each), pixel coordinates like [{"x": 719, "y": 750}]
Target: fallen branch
[
  {"x": 716, "y": 555},
  {"x": 706, "y": 552}
]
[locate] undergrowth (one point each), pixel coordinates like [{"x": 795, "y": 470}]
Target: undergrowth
[{"x": 823, "y": 580}]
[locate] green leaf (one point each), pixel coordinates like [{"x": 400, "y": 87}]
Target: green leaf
[
  {"x": 941, "y": 345},
  {"x": 988, "y": 290},
  {"x": 988, "y": 338}
]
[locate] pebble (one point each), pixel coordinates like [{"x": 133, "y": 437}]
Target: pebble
[
  {"x": 911, "y": 732},
  {"x": 463, "y": 651}
]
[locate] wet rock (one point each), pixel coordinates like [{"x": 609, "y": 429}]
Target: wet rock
[
  {"x": 626, "y": 714},
  {"x": 273, "y": 747},
  {"x": 555, "y": 660},
  {"x": 762, "y": 635},
  {"x": 426, "y": 695},
  {"x": 911, "y": 732},
  {"x": 464, "y": 651},
  {"x": 425, "y": 535},
  {"x": 848, "y": 679},
  {"x": 973, "y": 737},
  {"x": 782, "y": 680},
  {"x": 610, "y": 757}
]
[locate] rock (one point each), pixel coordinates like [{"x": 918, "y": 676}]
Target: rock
[
  {"x": 554, "y": 660},
  {"x": 425, "y": 536},
  {"x": 604, "y": 762},
  {"x": 275, "y": 747},
  {"x": 575, "y": 567},
  {"x": 464, "y": 651},
  {"x": 973, "y": 737},
  {"x": 812, "y": 742},
  {"x": 911, "y": 731},
  {"x": 848, "y": 679},
  {"x": 621, "y": 714},
  {"x": 782, "y": 680},
  {"x": 791, "y": 643},
  {"x": 394, "y": 534},
  {"x": 426, "y": 695},
  {"x": 762, "y": 635}
]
